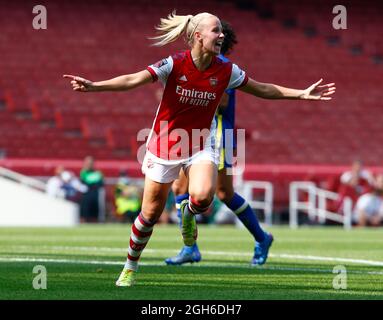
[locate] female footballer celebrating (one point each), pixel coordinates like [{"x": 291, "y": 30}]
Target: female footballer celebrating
[
  {"x": 226, "y": 146},
  {"x": 194, "y": 82}
]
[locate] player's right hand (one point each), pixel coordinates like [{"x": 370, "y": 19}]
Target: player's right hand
[{"x": 79, "y": 84}]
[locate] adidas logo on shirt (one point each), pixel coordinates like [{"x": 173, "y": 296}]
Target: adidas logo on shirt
[{"x": 183, "y": 78}]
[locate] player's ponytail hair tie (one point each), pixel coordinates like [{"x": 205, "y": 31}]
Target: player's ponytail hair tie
[{"x": 174, "y": 26}]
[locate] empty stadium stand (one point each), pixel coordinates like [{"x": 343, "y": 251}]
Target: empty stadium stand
[{"x": 44, "y": 118}]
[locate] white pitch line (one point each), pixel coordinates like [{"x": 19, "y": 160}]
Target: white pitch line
[
  {"x": 219, "y": 253},
  {"x": 335, "y": 259},
  {"x": 200, "y": 265},
  {"x": 69, "y": 261}
]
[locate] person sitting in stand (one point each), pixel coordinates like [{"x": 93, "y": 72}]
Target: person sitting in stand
[{"x": 369, "y": 207}]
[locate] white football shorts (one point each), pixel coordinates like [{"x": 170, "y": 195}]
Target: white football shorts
[{"x": 163, "y": 171}]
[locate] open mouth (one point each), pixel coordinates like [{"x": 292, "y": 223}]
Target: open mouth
[{"x": 218, "y": 44}]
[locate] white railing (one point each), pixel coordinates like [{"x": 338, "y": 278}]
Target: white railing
[
  {"x": 24, "y": 203},
  {"x": 266, "y": 204},
  {"x": 315, "y": 205},
  {"x": 24, "y": 180}
]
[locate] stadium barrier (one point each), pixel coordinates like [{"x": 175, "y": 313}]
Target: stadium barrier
[
  {"x": 25, "y": 203},
  {"x": 246, "y": 189},
  {"x": 24, "y": 180},
  {"x": 316, "y": 205},
  {"x": 266, "y": 204}
]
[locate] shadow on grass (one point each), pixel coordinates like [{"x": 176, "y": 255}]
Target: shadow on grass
[{"x": 188, "y": 282}]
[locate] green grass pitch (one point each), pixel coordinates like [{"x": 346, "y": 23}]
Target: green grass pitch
[{"x": 84, "y": 263}]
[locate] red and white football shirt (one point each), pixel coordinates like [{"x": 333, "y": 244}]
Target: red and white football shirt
[{"x": 188, "y": 104}]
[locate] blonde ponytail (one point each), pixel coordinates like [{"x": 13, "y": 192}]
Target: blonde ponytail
[
  {"x": 174, "y": 26},
  {"x": 171, "y": 28}
]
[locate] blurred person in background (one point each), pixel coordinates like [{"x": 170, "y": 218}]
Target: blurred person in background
[
  {"x": 53, "y": 186},
  {"x": 127, "y": 198},
  {"x": 369, "y": 207},
  {"x": 357, "y": 177},
  {"x": 72, "y": 186},
  {"x": 92, "y": 202},
  {"x": 64, "y": 184},
  {"x": 354, "y": 183}
]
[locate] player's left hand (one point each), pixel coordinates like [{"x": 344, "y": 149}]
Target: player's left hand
[{"x": 318, "y": 92}]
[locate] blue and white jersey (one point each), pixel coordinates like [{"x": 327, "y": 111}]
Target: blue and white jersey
[
  {"x": 228, "y": 115},
  {"x": 225, "y": 120}
]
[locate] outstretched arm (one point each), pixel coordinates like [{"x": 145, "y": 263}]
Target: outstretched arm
[
  {"x": 273, "y": 91},
  {"x": 121, "y": 83}
]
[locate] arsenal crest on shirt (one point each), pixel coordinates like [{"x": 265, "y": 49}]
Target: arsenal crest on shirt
[{"x": 213, "y": 81}]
